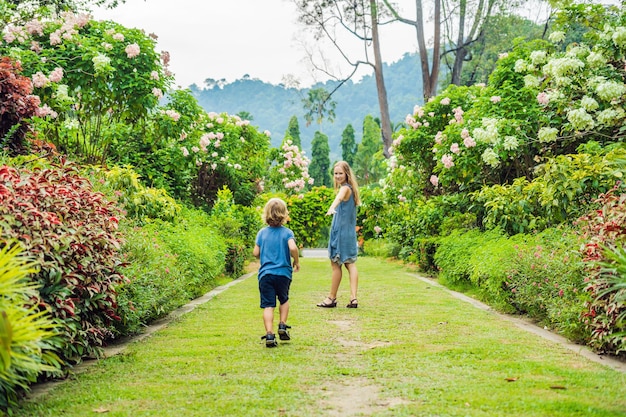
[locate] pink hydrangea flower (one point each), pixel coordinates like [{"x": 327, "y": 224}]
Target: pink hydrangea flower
[
  {"x": 446, "y": 160},
  {"x": 495, "y": 99},
  {"x": 40, "y": 80},
  {"x": 455, "y": 148},
  {"x": 434, "y": 180},
  {"x": 543, "y": 98},
  {"x": 445, "y": 101},
  {"x": 56, "y": 75},
  {"x": 132, "y": 50}
]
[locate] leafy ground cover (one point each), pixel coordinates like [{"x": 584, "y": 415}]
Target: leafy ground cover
[{"x": 410, "y": 349}]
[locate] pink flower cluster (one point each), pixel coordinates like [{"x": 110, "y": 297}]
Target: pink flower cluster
[
  {"x": 132, "y": 50},
  {"x": 447, "y": 162},
  {"x": 40, "y": 80},
  {"x": 468, "y": 141},
  {"x": 543, "y": 98}
]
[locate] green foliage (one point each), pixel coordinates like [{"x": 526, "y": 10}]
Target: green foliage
[
  {"x": 563, "y": 186},
  {"x": 308, "y": 220},
  {"x": 320, "y": 161},
  {"x": 238, "y": 226},
  {"x": 167, "y": 265},
  {"x": 545, "y": 280},
  {"x": 25, "y": 330},
  {"x": 71, "y": 232}
]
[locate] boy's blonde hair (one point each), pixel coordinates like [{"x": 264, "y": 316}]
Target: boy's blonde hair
[
  {"x": 275, "y": 212},
  {"x": 351, "y": 178}
]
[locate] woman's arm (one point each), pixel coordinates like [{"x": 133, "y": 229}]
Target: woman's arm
[{"x": 342, "y": 195}]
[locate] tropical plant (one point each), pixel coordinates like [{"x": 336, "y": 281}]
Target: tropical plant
[{"x": 26, "y": 330}]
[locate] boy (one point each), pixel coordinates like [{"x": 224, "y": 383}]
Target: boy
[{"x": 275, "y": 245}]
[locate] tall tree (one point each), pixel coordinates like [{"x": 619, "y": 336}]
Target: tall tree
[
  {"x": 356, "y": 18},
  {"x": 430, "y": 73},
  {"x": 348, "y": 145},
  {"x": 367, "y": 166},
  {"x": 318, "y": 104},
  {"x": 319, "y": 169},
  {"x": 293, "y": 130}
]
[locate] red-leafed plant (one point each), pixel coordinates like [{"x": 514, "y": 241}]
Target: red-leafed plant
[
  {"x": 605, "y": 230},
  {"x": 72, "y": 233},
  {"x": 17, "y": 103}
]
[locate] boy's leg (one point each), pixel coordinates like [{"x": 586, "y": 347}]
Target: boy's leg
[
  {"x": 283, "y": 310},
  {"x": 268, "y": 319}
]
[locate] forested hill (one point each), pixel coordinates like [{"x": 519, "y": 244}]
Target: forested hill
[{"x": 271, "y": 106}]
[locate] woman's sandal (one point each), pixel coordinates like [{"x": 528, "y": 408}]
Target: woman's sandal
[
  {"x": 331, "y": 304},
  {"x": 353, "y": 303}
]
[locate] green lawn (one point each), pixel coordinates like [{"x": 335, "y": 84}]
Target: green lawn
[{"x": 410, "y": 349}]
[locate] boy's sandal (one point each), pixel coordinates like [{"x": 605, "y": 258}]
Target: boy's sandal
[
  {"x": 328, "y": 303},
  {"x": 353, "y": 303}
]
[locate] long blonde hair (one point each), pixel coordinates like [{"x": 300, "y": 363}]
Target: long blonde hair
[{"x": 351, "y": 178}]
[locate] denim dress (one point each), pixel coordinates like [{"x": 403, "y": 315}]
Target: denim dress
[{"x": 342, "y": 246}]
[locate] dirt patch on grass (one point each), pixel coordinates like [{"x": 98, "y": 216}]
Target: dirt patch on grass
[{"x": 355, "y": 397}]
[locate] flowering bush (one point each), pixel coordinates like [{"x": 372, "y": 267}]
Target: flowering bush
[
  {"x": 91, "y": 77},
  {"x": 291, "y": 172}
]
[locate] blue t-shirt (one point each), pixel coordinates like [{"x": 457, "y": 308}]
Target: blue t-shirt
[{"x": 275, "y": 256}]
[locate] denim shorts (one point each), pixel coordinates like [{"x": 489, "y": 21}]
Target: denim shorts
[{"x": 272, "y": 287}]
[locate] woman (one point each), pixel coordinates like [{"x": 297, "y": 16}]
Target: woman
[{"x": 342, "y": 247}]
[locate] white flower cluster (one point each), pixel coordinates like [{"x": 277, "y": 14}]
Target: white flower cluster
[
  {"x": 610, "y": 90},
  {"x": 547, "y": 134},
  {"x": 488, "y": 133},
  {"x": 580, "y": 119},
  {"x": 101, "y": 63}
]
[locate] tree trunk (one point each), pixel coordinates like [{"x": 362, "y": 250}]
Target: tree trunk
[
  {"x": 380, "y": 83},
  {"x": 459, "y": 56}
]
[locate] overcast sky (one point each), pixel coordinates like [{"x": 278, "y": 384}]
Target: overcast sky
[{"x": 230, "y": 38}]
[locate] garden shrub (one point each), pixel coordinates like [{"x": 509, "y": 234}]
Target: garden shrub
[
  {"x": 26, "y": 331},
  {"x": 72, "y": 233},
  {"x": 308, "y": 220},
  {"x": 605, "y": 234},
  {"x": 167, "y": 264},
  {"x": 546, "y": 282},
  {"x": 17, "y": 105}
]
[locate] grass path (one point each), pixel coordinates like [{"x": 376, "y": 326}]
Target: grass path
[{"x": 410, "y": 349}]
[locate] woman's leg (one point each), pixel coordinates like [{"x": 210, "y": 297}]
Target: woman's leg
[
  {"x": 335, "y": 280},
  {"x": 354, "y": 280}
]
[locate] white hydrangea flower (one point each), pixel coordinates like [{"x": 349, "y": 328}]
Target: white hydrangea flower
[
  {"x": 510, "y": 143},
  {"x": 530, "y": 81},
  {"x": 547, "y": 134},
  {"x": 520, "y": 65},
  {"x": 563, "y": 67},
  {"x": 596, "y": 59},
  {"x": 557, "y": 36},
  {"x": 491, "y": 158},
  {"x": 589, "y": 104},
  {"x": 610, "y": 90},
  {"x": 579, "y": 52},
  {"x": 100, "y": 63},
  {"x": 611, "y": 117},
  {"x": 538, "y": 57},
  {"x": 580, "y": 119},
  {"x": 619, "y": 36}
]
